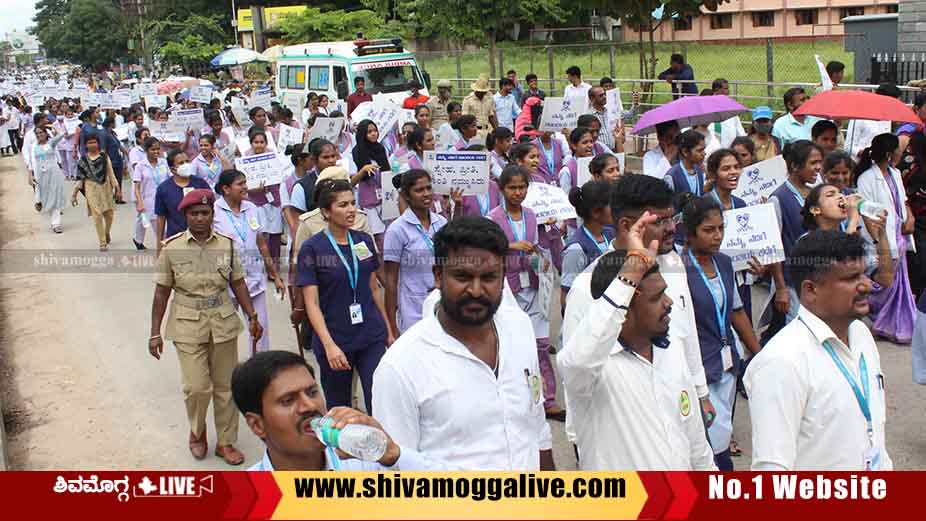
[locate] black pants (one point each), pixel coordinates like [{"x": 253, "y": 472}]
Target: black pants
[
  {"x": 15, "y": 143},
  {"x": 337, "y": 384}
]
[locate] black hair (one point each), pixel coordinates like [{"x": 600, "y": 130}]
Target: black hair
[
  {"x": 414, "y": 126},
  {"x": 410, "y": 177},
  {"x": 252, "y": 377},
  {"x": 530, "y": 76},
  {"x": 812, "y": 200},
  {"x": 706, "y": 92},
  {"x": 317, "y": 146},
  {"x": 697, "y": 210},
  {"x": 820, "y": 127},
  {"x": 464, "y": 121},
  {"x": 605, "y": 81},
  {"x": 226, "y": 178},
  {"x": 328, "y": 190},
  {"x": 589, "y": 197},
  {"x": 714, "y": 160},
  {"x": 834, "y": 158},
  {"x": 335, "y": 114},
  {"x": 213, "y": 116},
  {"x": 499, "y": 134},
  {"x": 677, "y": 58},
  {"x": 150, "y": 142},
  {"x": 598, "y": 163},
  {"x": 172, "y": 156},
  {"x": 469, "y": 232},
  {"x": 888, "y": 89},
  {"x": 664, "y": 127},
  {"x": 510, "y": 71},
  {"x": 719, "y": 83},
  {"x": 296, "y": 152},
  {"x": 688, "y": 140},
  {"x": 587, "y": 120},
  {"x": 797, "y": 153},
  {"x": 358, "y": 79},
  {"x": 254, "y": 110},
  {"x": 257, "y": 131},
  {"x": 416, "y": 138},
  {"x": 520, "y": 151},
  {"x": 746, "y": 142},
  {"x": 813, "y": 255},
  {"x": 285, "y": 113},
  {"x": 504, "y": 81},
  {"x": 607, "y": 268},
  {"x": 208, "y": 137},
  {"x": 419, "y": 108},
  {"x": 139, "y": 131},
  {"x": 636, "y": 193},
  {"x": 510, "y": 172},
  {"x": 834, "y": 67},
  {"x": 574, "y": 71},
  {"x": 919, "y": 99},
  {"x": 453, "y": 105},
  {"x": 109, "y": 122},
  {"x": 475, "y": 147},
  {"x": 790, "y": 94},
  {"x": 577, "y": 134},
  {"x": 882, "y": 147}
]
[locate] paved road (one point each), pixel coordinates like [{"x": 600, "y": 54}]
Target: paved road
[{"x": 80, "y": 390}]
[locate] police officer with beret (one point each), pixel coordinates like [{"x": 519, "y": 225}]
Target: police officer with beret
[{"x": 198, "y": 265}]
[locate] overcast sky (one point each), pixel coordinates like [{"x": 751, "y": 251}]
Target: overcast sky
[{"x": 17, "y": 15}]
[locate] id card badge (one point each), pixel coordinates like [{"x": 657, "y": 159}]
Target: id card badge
[
  {"x": 362, "y": 251},
  {"x": 524, "y": 279},
  {"x": 726, "y": 354},
  {"x": 872, "y": 458},
  {"x": 253, "y": 223},
  {"x": 379, "y": 193},
  {"x": 356, "y": 314},
  {"x": 187, "y": 190},
  {"x": 270, "y": 198}
]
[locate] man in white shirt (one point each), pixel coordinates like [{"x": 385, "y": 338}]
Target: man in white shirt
[
  {"x": 631, "y": 394},
  {"x": 463, "y": 384},
  {"x": 506, "y": 105},
  {"x": 816, "y": 391},
  {"x": 631, "y": 196},
  {"x": 279, "y": 396},
  {"x": 725, "y": 131},
  {"x": 576, "y": 87},
  {"x": 659, "y": 160}
]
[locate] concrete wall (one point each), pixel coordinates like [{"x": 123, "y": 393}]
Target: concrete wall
[{"x": 911, "y": 29}]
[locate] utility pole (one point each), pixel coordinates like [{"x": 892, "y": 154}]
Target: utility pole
[{"x": 137, "y": 10}]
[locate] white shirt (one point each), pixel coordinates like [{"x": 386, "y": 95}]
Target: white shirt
[
  {"x": 873, "y": 186},
  {"x": 630, "y": 414},
  {"x": 655, "y": 163},
  {"x": 682, "y": 329},
  {"x": 28, "y": 145},
  {"x": 408, "y": 460},
  {"x": 432, "y": 394},
  {"x": 506, "y": 110},
  {"x": 804, "y": 413},
  {"x": 730, "y": 129},
  {"x": 576, "y": 90}
]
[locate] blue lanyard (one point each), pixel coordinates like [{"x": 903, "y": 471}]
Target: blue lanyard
[
  {"x": 213, "y": 171},
  {"x": 514, "y": 230},
  {"x": 154, "y": 173},
  {"x": 721, "y": 311},
  {"x": 483, "y": 208},
  {"x": 800, "y": 198},
  {"x": 602, "y": 246},
  {"x": 551, "y": 157},
  {"x": 843, "y": 225},
  {"x": 696, "y": 188},
  {"x": 427, "y": 240},
  {"x": 717, "y": 198},
  {"x": 242, "y": 232},
  {"x": 353, "y": 276}
]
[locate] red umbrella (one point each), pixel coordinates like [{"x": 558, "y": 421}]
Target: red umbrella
[{"x": 857, "y": 104}]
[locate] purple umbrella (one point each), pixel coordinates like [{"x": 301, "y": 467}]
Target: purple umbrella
[{"x": 689, "y": 111}]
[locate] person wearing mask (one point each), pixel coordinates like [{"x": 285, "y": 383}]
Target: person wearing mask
[
  {"x": 169, "y": 194},
  {"x": 278, "y": 389},
  {"x": 745, "y": 150},
  {"x": 481, "y": 106},
  {"x": 622, "y": 362},
  {"x": 238, "y": 218},
  {"x": 95, "y": 179},
  {"x": 893, "y": 308},
  {"x": 47, "y": 176},
  {"x": 790, "y": 128},
  {"x": 408, "y": 252},
  {"x": 826, "y": 135},
  {"x": 526, "y": 256},
  {"x": 716, "y": 299},
  {"x": 360, "y": 95},
  {"x": 463, "y": 384},
  {"x": 837, "y": 171},
  {"x": 816, "y": 391},
  {"x": 658, "y": 161},
  {"x": 415, "y": 97},
  {"x": 680, "y": 76},
  {"x": 202, "y": 321},
  {"x": 595, "y": 234},
  {"x": 506, "y": 105},
  {"x": 351, "y": 331},
  {"x": 575, "y": 88}
]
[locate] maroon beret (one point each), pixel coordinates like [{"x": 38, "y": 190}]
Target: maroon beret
[{"x": 198, "y": 196}]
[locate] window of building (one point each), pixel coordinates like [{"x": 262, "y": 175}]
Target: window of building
[
  {"x": 763, "y": 19},
  {"x": 682, "y": 23},
  {"x": 890, "y": 8},
  {"x": 851, "y": 11},
  {"x": 722, "y": 21},
  {"x": 318, "y": 77},
  {"x": 806, "y": 16}
]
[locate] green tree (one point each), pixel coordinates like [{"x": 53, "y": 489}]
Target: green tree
[
  {"x": 189, "y": 41},
  {"x": 314, "y": 25},
  {"x": 50, "y": 19},
  {"x": 91, "y": 32}
]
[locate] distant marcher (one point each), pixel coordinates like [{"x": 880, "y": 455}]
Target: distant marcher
[
  {"x": 680, "y": 76},
  {"x": 96, "y": 179}
]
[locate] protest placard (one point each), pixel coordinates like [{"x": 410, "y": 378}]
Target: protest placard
[
  {"x": 560, "y": 113},
  {"x": 614, "y": 108},
  {"x": 116, "y": 99},
  {"x": 466, "y": 170},
  {"x": 260, "y": 98},
  {"x": 78, "y": 92},
  {"x": 390, "y": 196},
  {"x": 35, "y": 101},
  {"x": 294, "y": 101},
  {"x": 445, "y": 138},
  {"x": 761, "y": 179},
  {"x": 825, "y": 82},
  {"x": 71, "y": 125},
  {"x": 583, "y": 174},
  {"x": 122, "y": 132},
  {"x": 750, "y": 232},
  {"x": 326, "y": 128},
  {"x": 406, "y": 116},
  {"x": 166, "y": 131},
  {"x": 288, "y": 136},
  {"x": 52, "y": 92},
  {"x": 382, "y": 112},
  {"x": 201, "y": 94},
  {"x": 261, "y": 169},
  {"x": 188, "y": 119},
  {"x": 156, "y": 100},
  {"x": 548, "y": 201},
  {"x": 91, "y": 99},
  {"x": 146, "y": 89}
]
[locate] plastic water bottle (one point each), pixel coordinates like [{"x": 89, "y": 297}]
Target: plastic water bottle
[
  {"x": 360, "y": 441},
  {"x": 872, "y": 210}
]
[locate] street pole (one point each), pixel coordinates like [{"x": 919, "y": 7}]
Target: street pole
[{"x": 234, "y": 22}]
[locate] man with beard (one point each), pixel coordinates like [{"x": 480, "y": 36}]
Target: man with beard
[
  {"x": 279, "y": 396},
  {"x": 816, "y": 391},
  {"x": 632, "y": 397},
  {"x": 463, "y": 384}
]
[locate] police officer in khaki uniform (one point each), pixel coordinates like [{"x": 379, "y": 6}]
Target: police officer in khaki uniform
[
  {"x": 438, "y": 104},
  {"x": 199, "y": 265},
  {"x": 481, "y": 105}
]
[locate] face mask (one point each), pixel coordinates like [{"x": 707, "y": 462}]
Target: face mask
[
  {"x": 185, "y": 170},
  {"x": 763, "y": 128}
]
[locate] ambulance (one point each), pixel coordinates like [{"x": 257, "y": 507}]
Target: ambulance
[{"x": 331, "y": 67}]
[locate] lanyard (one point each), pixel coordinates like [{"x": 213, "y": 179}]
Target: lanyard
[
  {"x": 514, "y": 230},
  {"x": 242, "y": 232},
  {"x": 213, "y": 171},
  {"x": 717, "y": 198},
  {"x": 352, "y": 275},
  {"x": 155, "y": 173},
  {"x": 699, "y": 185},
  {"x": 602, "y": 246},
  {"x": 721, "y": 311},
  {"x": 427, "y": 240},
  {"x": 800, "y": 198},
  {"x": 551, "y": 157},
  {"x": 483, "y": 208}
]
